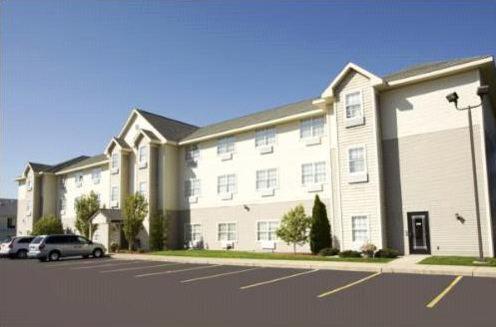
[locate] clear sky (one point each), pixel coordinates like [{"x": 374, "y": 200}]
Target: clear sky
[{"x": 71, "y": 71}]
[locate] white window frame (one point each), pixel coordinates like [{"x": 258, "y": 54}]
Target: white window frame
[
  {"x": 142, "y": 154},
  {"x": 357, "y": 176},
  {"x": 116, "y": 193},
  {"x": 142, "y": 191},
  {"x": 355, "y": 120},
  {"x": 227, "y": 232},
  {"x": 189, "y": 232},
  {"x": 226, "y": 145},
  {"x": 230, "y": 187},
  {"x": 265, "y": 137},
  {"x": 192, "y": 153},
  {"x": 311, "y": 122},
  {"x": 96, "y": 175},
  {"x": 78, "y": 179},
  {"x": 357, "y": 243},
  {"x": 114, "y": 162},
  {"x": 192, "y": 187},
  {"x": 314, "y": 166},
  {"x": 29, "y": 185},
  {"x": 268, "y": 231},
  {"x": 62, "y": 204},
  {"x": 262, "y": 176}
]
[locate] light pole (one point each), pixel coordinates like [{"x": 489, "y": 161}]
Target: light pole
[{"x": 453, "y": 98}]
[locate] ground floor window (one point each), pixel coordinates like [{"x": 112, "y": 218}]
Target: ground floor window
[
  {"x": 266, "y": 230},
  {"x": 226, "y": 232},
  {"x": 193, "y": 233},
  {"x": 360, "y": 229}
]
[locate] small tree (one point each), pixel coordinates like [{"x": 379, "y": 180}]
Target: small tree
[
  {"x": 158, "y": 231},
  {"x": 294, "y": 227},
  {"x": 135, "y": 211},
  {"x": 320, "y": 232},
  {"x": 86, "y": 206},
  {"x": 47, "y": 225}
]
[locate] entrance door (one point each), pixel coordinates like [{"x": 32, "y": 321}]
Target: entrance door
[{"x": 418, "y": 232}]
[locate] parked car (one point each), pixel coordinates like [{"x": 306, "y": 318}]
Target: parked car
[
  {"x": 16, "y": 247},
  {"x": 54, "y": 247}
]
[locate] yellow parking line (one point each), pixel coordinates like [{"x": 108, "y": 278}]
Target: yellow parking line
[
  {"x": 142, "y": 267},
  {"x": 348, "y": 285},
  {"x": 278, "y": 279},
  {"x": 218, "y": 275},
  {"x": 106, "y": 265},
  {"x": 438, "y": 298},
  {"x": 175, "y": 271}
]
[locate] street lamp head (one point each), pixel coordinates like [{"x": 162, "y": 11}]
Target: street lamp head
[
  {"x": 452, "y": 98},
  {"x": 482, "y": 90}
]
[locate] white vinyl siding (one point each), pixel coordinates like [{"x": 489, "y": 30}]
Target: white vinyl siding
[
  {"x": 313, "y": 173},
  {"x": 192, "y": 187},
  {"x": 312, "y": 127},
  {"x": 264, "y": 137},
  {"x": 226, "y": 232},
  {"x": 359, "y": 229},
  {"x": 225, "y": 145},
  {"x": 266, "y": 230},
  {"x": 266, "y": 179},
  {"x": 226, "y": 184}
]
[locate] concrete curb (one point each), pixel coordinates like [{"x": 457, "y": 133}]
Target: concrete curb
[{"x": 391, "y": 267}]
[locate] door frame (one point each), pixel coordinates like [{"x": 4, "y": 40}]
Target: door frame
[{"x": 427, "y": 232}]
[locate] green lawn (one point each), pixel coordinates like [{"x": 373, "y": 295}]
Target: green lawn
[
  {"x": 261, "y": 255},
  {"x": 455, "y": 261}
]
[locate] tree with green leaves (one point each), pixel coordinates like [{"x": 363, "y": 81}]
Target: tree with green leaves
[
  {"x": 48, "y": 225},
  {"x": 135, "y": 211},
  {"x": 86, "y": 206},
  {"x": 320, "y": 232},
  {"x": 294, "y": 227},
  {"x": 158, "y": 231}
]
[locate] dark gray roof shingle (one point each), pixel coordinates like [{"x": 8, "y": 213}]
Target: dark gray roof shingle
[
  {"x": 38, "y": 167},
  {"x": 171, "y": 129},
  {"x": 85, "y": 162},
  {"x": 429, "y": 68},
  {"x": 258, "y": 117}
]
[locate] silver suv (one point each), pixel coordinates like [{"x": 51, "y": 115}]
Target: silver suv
[
  {"x": 54, "y": 247},
  {"x": 16, "y": 247}
]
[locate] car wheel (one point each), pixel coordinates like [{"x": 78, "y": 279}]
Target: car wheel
[
  {"x": 97, "y": 253},
  {"x": 54, "y": 256},
  {"x": 22, "y": 254}
]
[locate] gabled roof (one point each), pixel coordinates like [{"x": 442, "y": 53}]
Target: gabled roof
[
  {"x": 44, "y": 168},
  {"x": 430, "y": 67},
  {"x": 150, "y": 136},
  {"x": 170, "y": 129},
  {"x": 252, "y": 119},
  {"x": 329, "y": 91},
  {"x": 87, "y": 162},
  {"x": 112, "y": 215},
  {"x": 119, "y": 142}
]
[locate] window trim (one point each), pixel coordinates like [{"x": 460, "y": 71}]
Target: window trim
[
  {"x": 235, "y": 187},
  {"x": 362, "y": 176},
  {"x": 187, "y": 233},
  {"x": 354, "y": 121},
  {"x": 186, "y": 195},
  {"x": 313, "y": 173},
  {"x": 145, "y": 193},
  {"x": 112, "y": 192},
  {"x": 96, "y": 180},
  {"x": 220, "y": 141},
  {"x": 368, "y": 227},
  {"x": 188, "y": 150},
  {"x": 227, "y": 222},
  {"x": 266, "y": 170},
  {"x": 265, "y": 137},
  {"x": 312, "y": 119},
  {"x": 266, "y": 221},
  {"x": 116, "y": 161},
  {"x": 145, "y": 154}
]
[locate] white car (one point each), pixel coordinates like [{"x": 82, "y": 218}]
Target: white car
[{"x": 16, "y": 247}]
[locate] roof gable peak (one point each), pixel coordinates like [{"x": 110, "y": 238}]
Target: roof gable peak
[{"x": 329, "y": 91}]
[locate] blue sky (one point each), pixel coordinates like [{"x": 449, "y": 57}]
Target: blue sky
[{"x": 71, "y": 71}]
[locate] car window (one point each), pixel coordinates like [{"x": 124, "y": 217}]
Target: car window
[
  {"x": 57, "y": 239},
  {"x": 37, "y": 240},
  {"x": 82, "y": 240},
  {"x": 25, "y": 240}
]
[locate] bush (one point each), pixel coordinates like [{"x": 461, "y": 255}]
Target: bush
[
  {"x": 320, "y": 232},
  {"x": 328, "y": 252},
  {"x": 368, "y": 249},
  {"x": 47, "y": 225},
  {"x": 158, "y": 231},
  {"x": 387, "y": 253},
  {"x": 114, "y": 247},
  {"x": 350, "y": 254}
]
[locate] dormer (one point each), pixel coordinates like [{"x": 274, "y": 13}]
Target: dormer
[
  {"x": 115, "y": 150},
  {"x": 143, "y": 141}
]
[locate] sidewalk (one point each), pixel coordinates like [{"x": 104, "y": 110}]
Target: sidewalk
[{"x": 404, "y": 265}]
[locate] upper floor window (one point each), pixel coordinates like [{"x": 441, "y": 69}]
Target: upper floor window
[
  {"x": 192, "y": 187},
  {"x": 96, "y": 176},
  {"x": 28, "y": 184},
  {"x": 62, "y": 204},
  {"x": 312, "y": 127},
  {"x": 264, "y": 137},
  {"x": 115, "y": 160},
  {"x": 225, "y": 145},
  {"x": 354, "y": 108},
  {"x": 192, "y": 153},
  {"x": 29, "y": 206},
  {"x": 142, "y": 154},
  {"x": 79, "y": 179},
  {"x": 313, "y": 173},
  {"x": 356, "y": 160},
  {"x": 143, "y": 188},
  {"x": 226, "y": 184},
  {"x": 114, "y": 194},
  {"x": 266, "y": 179},
  {"x": 266, "y": 230}
]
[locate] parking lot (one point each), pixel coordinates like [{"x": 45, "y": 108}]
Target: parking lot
[{"x": 110, "y": 292}]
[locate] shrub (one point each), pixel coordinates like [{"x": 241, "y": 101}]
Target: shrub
[
  {"x": 350, "y": 254},
  {"x": 158, "y": 231},
  {"x": 387, "y": 253},
  {"x": 320, "y": 232},
  {"x": 114, "y": 247},
  {"x": 47, "y": 225},
  {"x": 328, "y": 252},
  {"x": 368, "y": 249}
]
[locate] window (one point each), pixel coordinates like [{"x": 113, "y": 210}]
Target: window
[
  {"x": 114, "y": 194},
  {"x": 26, "y": 240},
  {"x": 266, "y": 230},
  {"x": 96, "y": 176},
  {"x": 79, "y": 180},
  {"x": 192, "y": 187},
  {"x": 193, "y": 233},
  {"x": 115, "y": 160},
  {"x": 265, "y": 137},
  {"x": 28, "y": 184},
  {"x": 360, "y": 229},
  {"x": 312, "y": 127},
  {"x": 62, "y": 203},
  {"x": 11, "y": 222},
  {"x": 28, "y": 206},
  {"x": 356, "y": 160},
  {"x": 192, "y": 153},
  {"x": 266, "y": 179},
  {"x": 143, "y": 188},
  {"x": 225, "y": 145},
  {"x": 142, "y": 153},
  {"x": 313, "y": 173},
  {"x": 226, "y": 184},
  {"x": 354, "y": 105},
  {"x": 226, "y": 232}
]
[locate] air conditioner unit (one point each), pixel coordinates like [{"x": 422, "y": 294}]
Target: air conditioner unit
[
  {"x": 29, "y": 187},
  {"x": 226, "y": 245},
  {"x": 268, "y": 245},
  {"x": 266, "y": 149}
]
